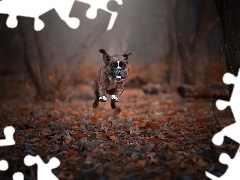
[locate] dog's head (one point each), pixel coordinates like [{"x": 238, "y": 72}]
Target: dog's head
[{"x": 116, "y": 65}]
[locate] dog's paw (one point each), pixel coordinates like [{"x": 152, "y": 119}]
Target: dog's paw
[
  {"x": 103, "y": 98},
  {"x": 114, "y": 98}
]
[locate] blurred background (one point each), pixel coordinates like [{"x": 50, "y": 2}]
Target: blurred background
[{"x": 172, "y": 43}]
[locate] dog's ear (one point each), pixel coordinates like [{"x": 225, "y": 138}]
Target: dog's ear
[
  {"x": 106, "y": 57},
  {"x": 126, "y": 54}
]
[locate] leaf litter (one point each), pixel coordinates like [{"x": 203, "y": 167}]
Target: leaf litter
[{"x": 149, "y": 136}]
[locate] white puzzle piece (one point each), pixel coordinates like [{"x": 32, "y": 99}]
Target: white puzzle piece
[
  {"x": 43, "y": 170},
  {"x": 101, "y": 4},
  {"x": 18, "y": 176},
  {"x": 8, "y": 133},
  {"x": 36, "y": 8},
  {"x": 3, "y": 165},
  {"x": 232, "y": 172}
]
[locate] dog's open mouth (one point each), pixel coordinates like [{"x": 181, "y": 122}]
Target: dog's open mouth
[{"x": 119, "y": 78}]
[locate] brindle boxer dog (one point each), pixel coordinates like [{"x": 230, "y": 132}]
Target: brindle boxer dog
[{"x": 111, "y": 78}]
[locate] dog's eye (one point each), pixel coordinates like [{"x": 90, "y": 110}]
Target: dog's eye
[
  {"x": 122, "y": 65},
  {"x": 114, "y": 65}
]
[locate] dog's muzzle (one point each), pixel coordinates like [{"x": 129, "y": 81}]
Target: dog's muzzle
[
  {"x": 118, "y": 75},
  {"x": 118, "y": 71}
]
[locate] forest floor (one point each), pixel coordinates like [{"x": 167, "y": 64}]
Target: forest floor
[
  {"x": 160, "y": 136},
  {"x": 149, "y": 136}
]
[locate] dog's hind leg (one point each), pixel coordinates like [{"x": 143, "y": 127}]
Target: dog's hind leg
[
  {"x": 113, "y": 105},
  {"x": 96, "y": 102}
]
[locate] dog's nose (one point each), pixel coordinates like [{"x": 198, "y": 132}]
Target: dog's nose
[{"x": 118, "y": 72}]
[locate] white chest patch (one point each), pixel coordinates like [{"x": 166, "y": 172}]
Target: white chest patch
[{"x": 112, "y": 84}]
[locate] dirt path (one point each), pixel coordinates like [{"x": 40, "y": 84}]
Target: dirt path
[{"x": 150, "y": 137}]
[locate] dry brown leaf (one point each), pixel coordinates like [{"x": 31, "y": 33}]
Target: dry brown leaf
[
  {"x": 74, "y": 113},
  {"x": 171, "y": 146},
  {"x": 201, "y": 120},
  {"x": 117, "y": 111},
  {"x": 34, "y": 140},
  {"x": 138, "y": 147},
  {"x": 142, "y": 162},
  {"x": 130, "y": 113},
  {"x": 113, "y": 138},
  {"x": 136, "y": 123}
]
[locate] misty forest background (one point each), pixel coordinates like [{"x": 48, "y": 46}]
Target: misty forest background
[
  {"x": 172, "y": 43},
  {"x": 166, "y": 117}
]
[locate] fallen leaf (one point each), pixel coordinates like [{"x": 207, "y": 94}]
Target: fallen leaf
[
  {"x": 142, "y": 162},
  {"x": 74, "y": 113}
]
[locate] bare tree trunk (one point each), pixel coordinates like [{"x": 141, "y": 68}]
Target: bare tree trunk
[
  {"x": 188, "y": 70},
  {"x": 204, "y": 24},
  {"x": 173, "y": 56},
  {"x": 23, "y": 30},
  {"x": 189, "y": 44},
  {"x": 42, "y": 55},
  {"x": 45, "y": 64}
]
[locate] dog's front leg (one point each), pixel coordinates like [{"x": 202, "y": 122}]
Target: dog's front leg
[
  {"x": 103, "y": 84},
  {"x": 117, "y": 94}
]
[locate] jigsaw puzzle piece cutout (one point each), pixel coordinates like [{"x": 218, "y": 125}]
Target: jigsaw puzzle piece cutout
[
  {"x": 3, "y": 165},
  {"x": 36, "y": 8},
  {"x": 228, "y": 79},
  {"x": 233, "y": 167},
  {"x": 221, "y": 104},
  {"x": 43, "y": 170},
  {"x": 63, "y": 9},
  {"x": 113, "y": 5},
  {"x": 18, "y": 176},
  {"x": 231, "y": 131},
  {"x": 95, "y": 5},
  {"x": 9, "y": 139},
  {"x": 235, "y": 96}
]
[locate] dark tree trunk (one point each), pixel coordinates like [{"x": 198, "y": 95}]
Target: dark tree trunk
[
  {"x": 230, "y": 19},
  {"x": 27, "y": 62},
  {"x": 190, "y": 41},
  {"x": 204, "y": 24},
  {"x": 173, "y": 56},
  {"x": 31, "y": 47},
  {"x": 188, "y": 69}
]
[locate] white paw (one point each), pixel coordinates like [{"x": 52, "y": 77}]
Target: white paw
[
  {"x": 114, "y": 98},
  {"x": 102, "y": 98}
]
